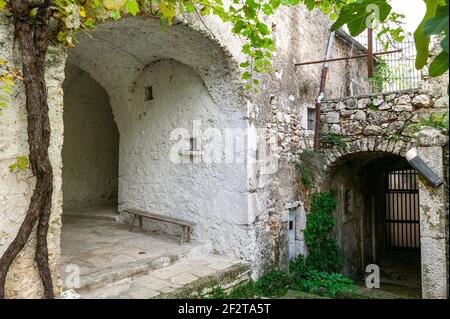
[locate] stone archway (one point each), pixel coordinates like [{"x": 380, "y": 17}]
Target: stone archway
[
  {"x": 377, "y": 218},
  {"x": 158, "y": 83},
  {"x": 364, "y": 154}
]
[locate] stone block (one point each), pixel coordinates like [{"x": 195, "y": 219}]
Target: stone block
[
  {"x": 183, "y": 279},
  {"x": 372, "y": 130},
  {"x": 404, "y": 99},
  {"x": 422, "y": 100},
  {"x": 332, "y": 117},
  {"x": 429, "y": 136},
  {"x": 434, "y": 268},
  {"x": 402, "y": 107},
  {"x": 362, "y": 103}
]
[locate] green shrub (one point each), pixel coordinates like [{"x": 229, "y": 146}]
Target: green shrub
[
  {"x": 243, "y": 291},
  {"x": 298, "y": 268},
  {"x": 308, "y": 167},
  {"x": 217, "y": 293},
  {"x": 324, "y": 252},
  {"x": 317, "y": 273},
  {"x": 325, "y": 284},
  {"x": 382, "y": 75},
  {"x": 273, "y": 283}
]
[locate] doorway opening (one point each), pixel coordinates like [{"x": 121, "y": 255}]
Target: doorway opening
[
  {"x": 90, "y": 153},
  {"x": 377, "y": 219}
]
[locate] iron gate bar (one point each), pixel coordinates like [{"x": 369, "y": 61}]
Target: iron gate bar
[{"x": 402, "y": 222}]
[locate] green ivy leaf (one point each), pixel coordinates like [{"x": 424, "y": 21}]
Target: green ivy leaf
[
  {"x": 115, "y": 15},
  {"x": 20, "y": 164},
  {"x": 267, "y": 9},
  {"x": 7, "y": 89},
  {"x": 263, "y": 28},
  {"x": 2, "y": 4},
  {"x": 444, "y": 44},
  {"x": 354, "y": 15},
  {"x": 422, "y": 41},
  {"x": 436, "y": 25},
  {"x": 247, "y": 75},
  {"x": 439, "y": 64},
  {"x": 132, "y": 7},
  {"x": 292, "y": 2}
]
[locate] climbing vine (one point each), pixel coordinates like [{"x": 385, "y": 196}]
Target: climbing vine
[
  {"x": 324, "y": 252},
  {"x": 383, "y": 75}
]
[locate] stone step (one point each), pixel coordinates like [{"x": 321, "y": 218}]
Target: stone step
[
  {"x": 189, "y": 277},
  {"x": 98, "y": 279},
  {"x": 88, "y": 215}
]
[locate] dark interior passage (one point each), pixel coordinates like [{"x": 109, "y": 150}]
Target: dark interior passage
[
  {"x": 377, "y": 221},
  {"x": 90, "y": 152}
]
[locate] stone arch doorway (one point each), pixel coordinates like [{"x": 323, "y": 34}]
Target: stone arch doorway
[
  {"x": 377, "y": 219},
  {"x": 90, "y": 152},
  {"x": 159, "y": 82}
]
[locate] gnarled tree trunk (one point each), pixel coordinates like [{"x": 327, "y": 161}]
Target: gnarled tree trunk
[{"x": 32, "y": 36}]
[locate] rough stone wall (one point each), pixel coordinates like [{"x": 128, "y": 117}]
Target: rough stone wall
[
  {"x": 281, "y": 107},
  {"x": 16, "y": 188},
  {"x": 433, "y": 216},
  {"x": 91, "y": 143},
  {"x": 382, "y": 122}
]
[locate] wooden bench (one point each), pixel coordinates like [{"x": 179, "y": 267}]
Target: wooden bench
[{"x": 185, "y": 225}]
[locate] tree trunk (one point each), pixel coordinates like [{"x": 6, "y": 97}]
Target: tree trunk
[{"x": 33, "y": 41}]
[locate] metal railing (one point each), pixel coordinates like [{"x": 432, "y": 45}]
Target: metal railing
[{"x": 401, "y": 73}]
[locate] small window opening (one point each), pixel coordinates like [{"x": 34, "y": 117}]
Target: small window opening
[
  {"x": 193, "y": 147},
  {"x": 149, "y": 93},
  {"x": 291, "y": 225},
  {"x": 193, "y": 144},
  {"x": 311, "y": 119}
]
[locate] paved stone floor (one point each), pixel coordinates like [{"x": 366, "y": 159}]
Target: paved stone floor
[
  {"x": 400, "y": 272},
  {"x": 173, "y": 281},
  {"x": 115, "y": 262}
]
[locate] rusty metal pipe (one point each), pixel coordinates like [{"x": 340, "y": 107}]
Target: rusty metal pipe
[
  {"x": 348, "y": 58},
  {"x": 323, "y": 79}
]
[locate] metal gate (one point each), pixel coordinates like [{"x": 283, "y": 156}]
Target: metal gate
[{"x": 402, "y": 209}]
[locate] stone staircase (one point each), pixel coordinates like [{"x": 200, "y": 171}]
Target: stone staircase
[{"x": 175, "y": 278}]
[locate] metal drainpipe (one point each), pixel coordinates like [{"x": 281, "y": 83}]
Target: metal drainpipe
[{"x": 319, "y": 98}]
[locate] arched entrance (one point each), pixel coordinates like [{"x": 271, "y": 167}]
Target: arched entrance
[
  {"x": 377, "y": 220},
  {"x": 158, "y": 83},
  {"x": 91, "y": 144}
]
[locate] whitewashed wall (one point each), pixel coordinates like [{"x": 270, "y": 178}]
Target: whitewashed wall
[
  {"x": 90, "y": 153},
  {"x": 211, "y": 195}
]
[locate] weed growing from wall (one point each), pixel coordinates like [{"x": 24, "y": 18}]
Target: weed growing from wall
[
  {"x": 333, "y": 139},
  {"x": 440, "y": 122},
  {"x": 307, "y": 166}
]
